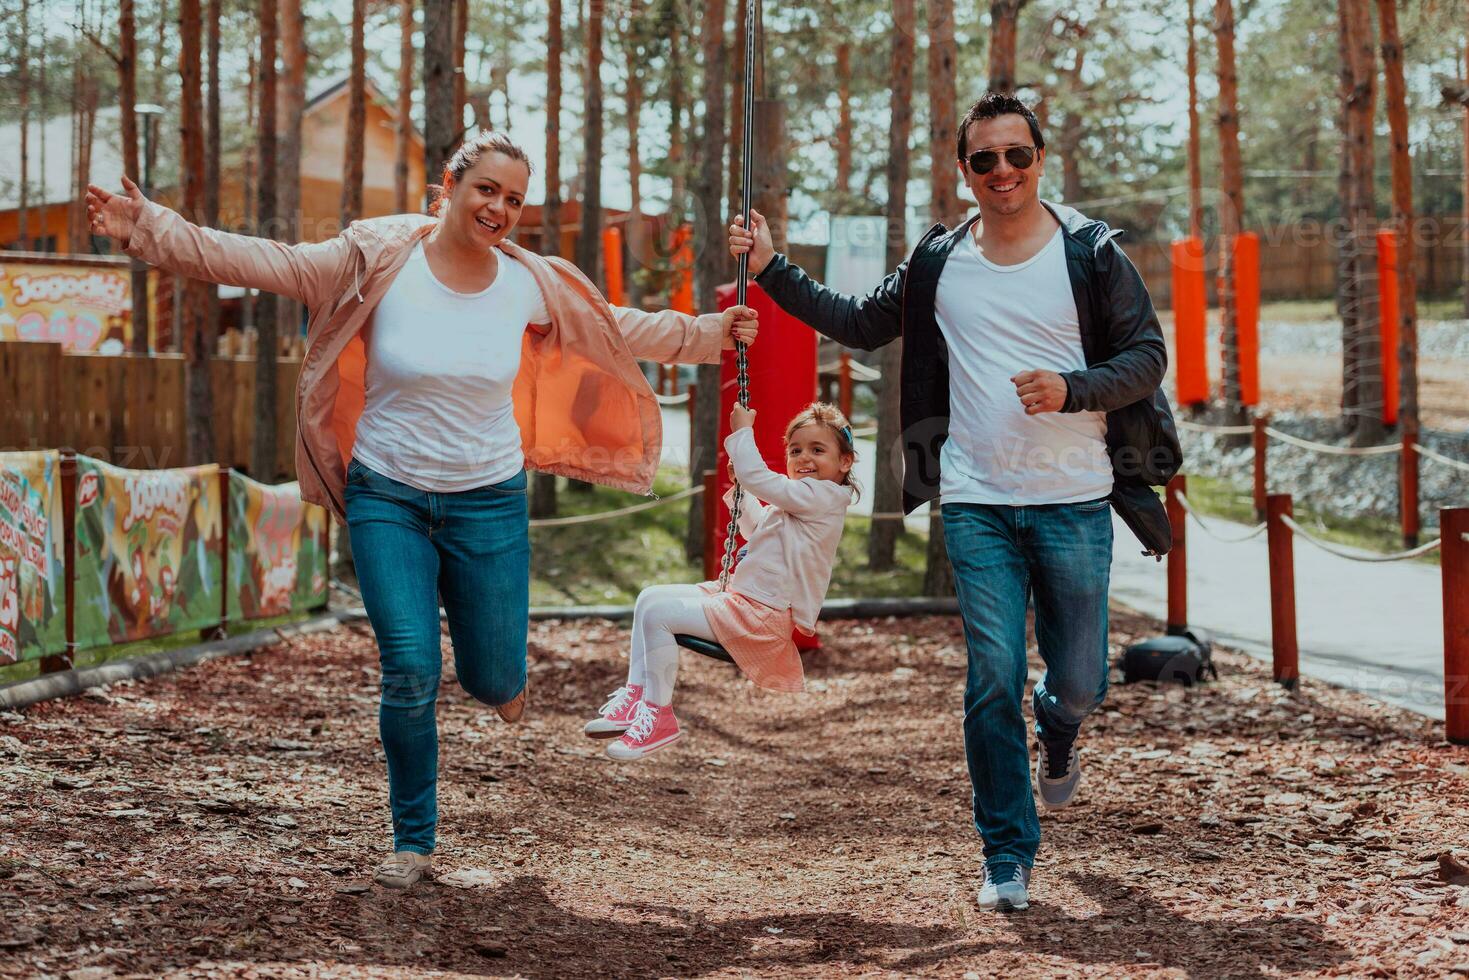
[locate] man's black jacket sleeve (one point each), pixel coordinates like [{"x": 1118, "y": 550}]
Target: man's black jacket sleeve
[
  {"x": 867, "y": 323},
  {"x": 1140, "y": 360}
]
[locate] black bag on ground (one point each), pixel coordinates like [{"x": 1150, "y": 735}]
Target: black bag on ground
[{"x": 1185, "y": 659}]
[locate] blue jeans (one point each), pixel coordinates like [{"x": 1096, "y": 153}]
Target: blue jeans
[
  {"x": 411, "y": 548},
  {"x": 1061, "y": 555}
]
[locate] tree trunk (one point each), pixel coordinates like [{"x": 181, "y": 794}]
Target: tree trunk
[
  {"x": 248, "y": 190},
  {"x": 677, "y": 66},
  {"x": 1464, "y": 193},
  {"x": 708, "y": 264},
  {"x": 127, "y": 99},
  {"x": 1346, "y": 279},
  {"x": 1195, "y": 171},
  {"x": 1395, "y": 90},
  {"x": 290, "y": 114},
  {"x": 461, "y": 38},
  {"x": 24, "y": 71},
  {"x": 211, "y": 163},
  {"x": 943, "y": 55},
  {"x": 844, "y": 116},
  {"x": 1232, "y": 206},
  {"x": 403, "y": 134},
  {"x": 734, "y": 187},
  {"x": 1362, "y": 384},
  {"x": 887, "y": 496},
  {"x": 263, "y": 448},
  {"x": 440, "y": 131},
  {"x": 589, "y": 239},
  {"x": 543, "y": 485},
  {"x": 356, "y": 118},
  {"x": 634, "y": 226},
  {"x": 946, "y": 208},
  {"x": 1004, "y": 31},
  {"x": 196, "y": 342}
]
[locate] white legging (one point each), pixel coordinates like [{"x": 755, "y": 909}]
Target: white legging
[{"x": 660, "y": 612}]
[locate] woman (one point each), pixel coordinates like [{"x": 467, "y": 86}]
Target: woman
[{"x": 421, "y": 399}]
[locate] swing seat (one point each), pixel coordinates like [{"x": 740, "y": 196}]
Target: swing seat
[{"x": 700, "y": 645}]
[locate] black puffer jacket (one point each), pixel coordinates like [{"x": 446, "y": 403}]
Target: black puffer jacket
[{"x": 1122, "y": 342}]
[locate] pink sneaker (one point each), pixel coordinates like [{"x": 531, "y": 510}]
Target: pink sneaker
[
  {"x": 616, "y": 715},
  {"x": 653, "y": 727}
]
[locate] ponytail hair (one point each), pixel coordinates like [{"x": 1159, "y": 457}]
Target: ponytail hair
[{"x": 468, "y": 154}]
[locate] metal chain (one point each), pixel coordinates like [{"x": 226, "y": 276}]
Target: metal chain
[{"x": 742, "y": 361}]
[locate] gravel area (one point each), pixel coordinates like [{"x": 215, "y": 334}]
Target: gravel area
[
  {"x": 1348, "y": 486},
  {"x": 221, "y": 821}
]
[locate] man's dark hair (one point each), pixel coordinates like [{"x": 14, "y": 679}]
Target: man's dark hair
[{"x": 994, "y": 105}]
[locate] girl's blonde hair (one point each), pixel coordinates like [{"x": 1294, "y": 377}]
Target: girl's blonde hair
[{"x": 828, "y": 415}]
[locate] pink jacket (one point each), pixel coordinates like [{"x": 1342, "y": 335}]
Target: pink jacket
[
  {"x": 584, "y": 408},
  {"x": 793, "y": 542}
]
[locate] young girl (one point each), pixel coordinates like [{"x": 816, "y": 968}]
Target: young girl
[{"x": 778, "y": 585}]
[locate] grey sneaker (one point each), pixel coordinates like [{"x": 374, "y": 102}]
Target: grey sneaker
[
  {"x": 402, "y": 869},
  {"x": 1005, "y": 888},
  {"x": 1057, "y": 774}
]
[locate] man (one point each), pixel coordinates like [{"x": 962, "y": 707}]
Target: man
[{"x": 1031, "y": 363}]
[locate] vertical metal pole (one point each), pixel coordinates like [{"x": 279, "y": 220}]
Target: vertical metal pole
[
  {"x": 1177, "y": 557},
  {"x": 1454, "y": 526},
  {"x": 1285, "y": 654},
  {"x": 844, "y": 385}
]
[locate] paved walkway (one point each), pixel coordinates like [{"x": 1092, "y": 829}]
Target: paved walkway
[{"x": 1376, "y": 628}]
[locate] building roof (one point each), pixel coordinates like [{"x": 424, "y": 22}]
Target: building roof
[{"x": 53, "y": 183}]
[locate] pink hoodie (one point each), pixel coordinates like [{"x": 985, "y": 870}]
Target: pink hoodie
[
  {"x": 793, "y": 542},
  {"x": 583, "y": 406}
]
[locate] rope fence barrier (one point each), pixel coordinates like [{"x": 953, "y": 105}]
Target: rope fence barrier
[
  {"x": 1330, "y": 450},
  {"x": 1252, "y": 533},
  {"x": 1340, "y": 552}
]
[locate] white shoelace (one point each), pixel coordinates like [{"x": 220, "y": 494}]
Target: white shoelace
[
  {"x": 617, "y": 702},
  {"x": 643, "y": 721}
]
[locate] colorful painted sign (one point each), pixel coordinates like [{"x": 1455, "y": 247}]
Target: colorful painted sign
[
  {"x": 84, "y": 308},
  {"x": 32, "y": 564},
  {"x": 149, "y": 551},
  {"x": 278, "y": 550}
]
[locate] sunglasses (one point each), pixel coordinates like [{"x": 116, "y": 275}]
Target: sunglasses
[{"x": 1019, "y": 157}]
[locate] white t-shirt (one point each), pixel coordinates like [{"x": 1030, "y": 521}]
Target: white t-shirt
[
  {"x": 440, "y": 369},
  {"x": 999, "y": 321}
]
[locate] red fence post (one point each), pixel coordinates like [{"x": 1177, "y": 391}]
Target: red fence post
[
  {"x": 1285, "y": 654},
  {"x": 1190, "y": 312},
  {"x": 1261, "y": 442},
  {"x": 1408, "y": 486},
  {"x": 1454, "y": 525},
  {"x": 1247, "y": 314},
  {"x": 1388, "y": 312},
  {"x": 1177, "y": 557},
  {"x": 68, "y": 473},
  {"x": 844, "y": 385}
]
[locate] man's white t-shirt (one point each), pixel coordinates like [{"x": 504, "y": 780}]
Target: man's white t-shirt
[
  {"x": 999, "y": 321},
  {"x": 440, "y": 369}
]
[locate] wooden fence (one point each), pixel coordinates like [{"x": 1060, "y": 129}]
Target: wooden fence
[{"x": 129, "y": 409}]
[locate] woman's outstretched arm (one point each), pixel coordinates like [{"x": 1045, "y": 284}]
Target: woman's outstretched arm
[{"x": 159, "y": 236}]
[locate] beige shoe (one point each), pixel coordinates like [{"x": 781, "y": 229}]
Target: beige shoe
[
  {"x": 402, "y": 869},
  {"x": 511, "y": 710}
]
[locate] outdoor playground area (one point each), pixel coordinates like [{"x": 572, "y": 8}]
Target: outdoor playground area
[
  {"x": 213, "y": 822},
  {"x": 461, "y": 274}
]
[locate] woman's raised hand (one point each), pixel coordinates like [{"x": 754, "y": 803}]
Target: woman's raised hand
[
  {"x": 740, "y": 323},
  {"x": 115, "y": 215},
  {"x": 755, "y": 240}
]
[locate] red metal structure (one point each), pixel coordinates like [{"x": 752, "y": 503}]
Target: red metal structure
[
  {"x": 1190, "y": 311},
  {"x": 782, "y": 382}
]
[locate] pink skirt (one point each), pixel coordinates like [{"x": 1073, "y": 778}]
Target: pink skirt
[{"x": 758, "y": 637}]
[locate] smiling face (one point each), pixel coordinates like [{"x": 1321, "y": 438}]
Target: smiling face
[
  {"x": 484, "y": 205},
  {"x": 814, "y": 450},
  {"x": 1004, "y": 190}
]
